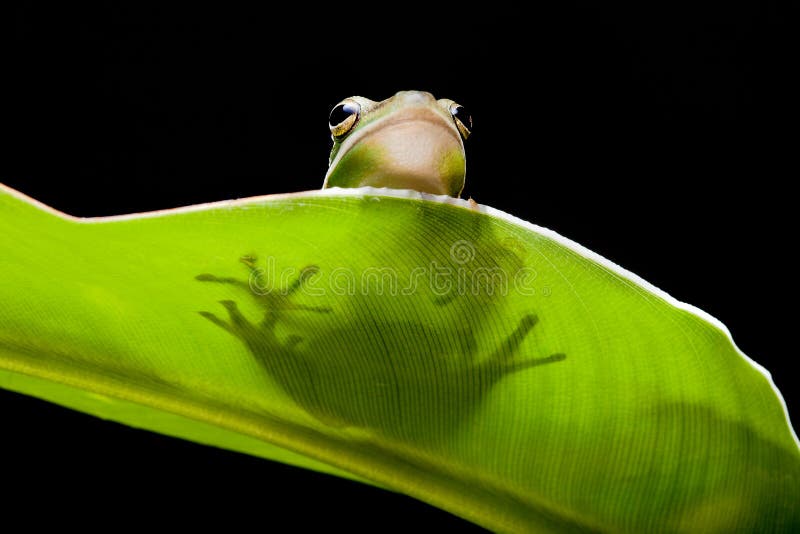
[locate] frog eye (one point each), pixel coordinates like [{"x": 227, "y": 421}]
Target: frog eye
[
  {"x": 463, "y": 119},
  {"x": 344, "y": 117}
]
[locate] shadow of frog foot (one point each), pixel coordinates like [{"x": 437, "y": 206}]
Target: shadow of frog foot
[
  {"x": 270, "y": 299},
  {"x": 237, "y": 325},
  {"x": 273, "y": 302},
  {"x": 504, "y": 357}
]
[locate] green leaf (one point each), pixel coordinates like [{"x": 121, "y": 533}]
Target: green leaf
[{"x": 458, "y": 355}]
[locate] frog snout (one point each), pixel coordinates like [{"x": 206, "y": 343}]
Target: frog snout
[{"x": 412, "y": 98}]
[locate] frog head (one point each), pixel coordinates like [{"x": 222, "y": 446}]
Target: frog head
[{"x": 408, "y": 141}]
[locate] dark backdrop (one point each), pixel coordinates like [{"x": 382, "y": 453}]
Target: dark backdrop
[{"x": 655, "y": 138}]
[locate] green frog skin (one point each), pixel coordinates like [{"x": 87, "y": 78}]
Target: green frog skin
[{"x": 408, "y": 141}]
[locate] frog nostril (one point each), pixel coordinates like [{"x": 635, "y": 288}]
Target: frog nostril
[{"x": 416, "y": 97}]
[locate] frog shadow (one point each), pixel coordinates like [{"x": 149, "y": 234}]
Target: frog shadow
[{"x": 403, "y": 378}]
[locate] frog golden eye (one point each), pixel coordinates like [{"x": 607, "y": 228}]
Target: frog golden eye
[
  {"x": 463, "y": 119},
  {"x": 344, "y": 117}
]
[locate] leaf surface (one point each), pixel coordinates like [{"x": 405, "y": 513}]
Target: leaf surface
[{"x": 459, "y": 355}]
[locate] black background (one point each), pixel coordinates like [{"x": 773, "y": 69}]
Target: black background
[{"x": 657, "y": 138}]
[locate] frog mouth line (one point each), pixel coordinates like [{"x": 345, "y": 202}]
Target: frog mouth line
[{"x": 424, "y": 117}]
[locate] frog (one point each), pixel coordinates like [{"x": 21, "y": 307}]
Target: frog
[
  {"x": 394, "y": 376},
  {"x": 408, "y": 141}
]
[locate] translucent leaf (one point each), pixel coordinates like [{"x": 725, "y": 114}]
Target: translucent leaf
[{"x": 456, "y": 354}]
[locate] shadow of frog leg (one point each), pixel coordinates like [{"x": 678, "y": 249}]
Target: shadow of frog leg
[
  {"x": 503, "y": 357},
  {"x": 294, "y": 373},
  {"x": 271, "y": 300}
]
